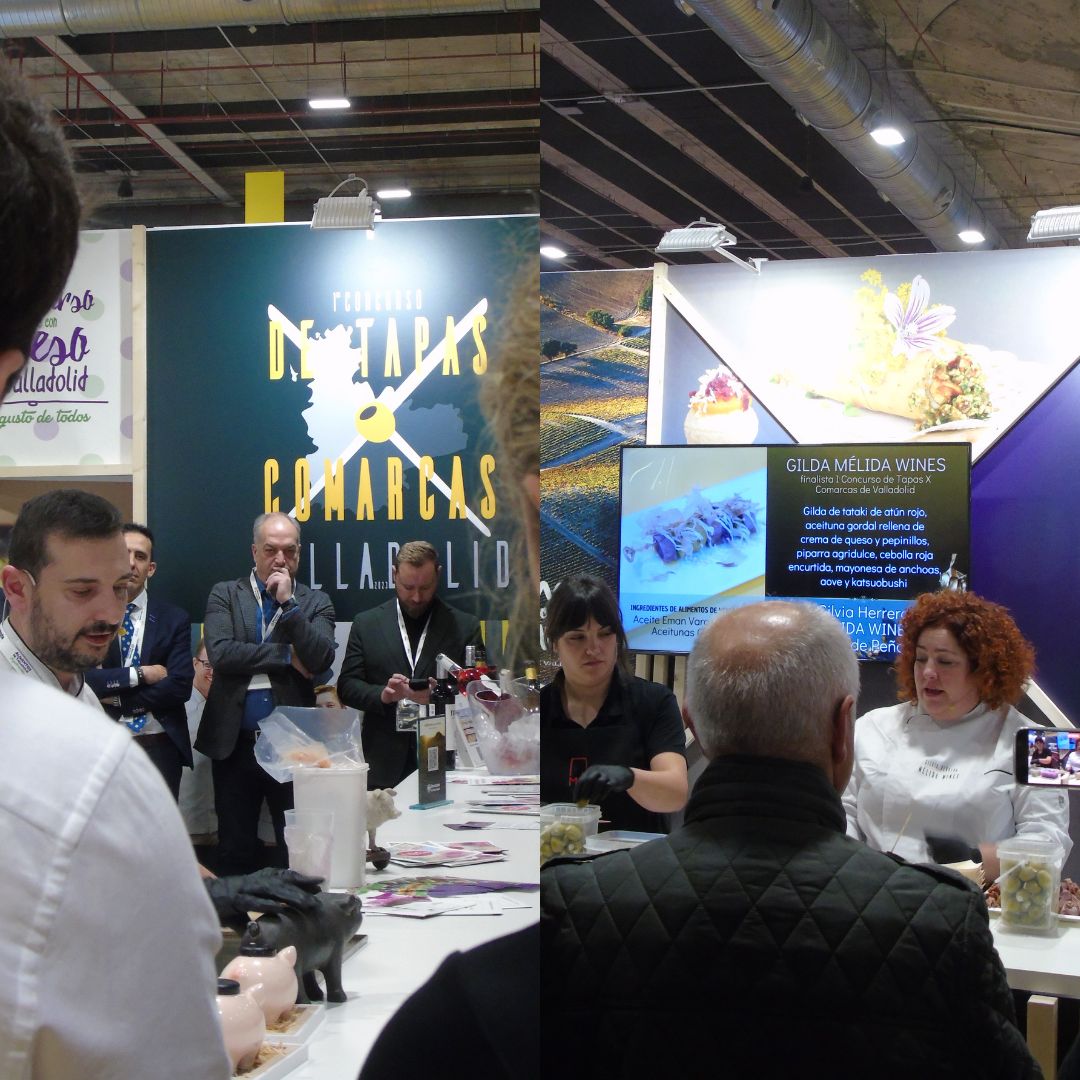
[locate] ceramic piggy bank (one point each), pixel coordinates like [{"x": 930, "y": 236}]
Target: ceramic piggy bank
[
  {"x": 268, "y": 976},
  {"x": 242, "y": 1023},
  {"x": 318, "y": 937}
]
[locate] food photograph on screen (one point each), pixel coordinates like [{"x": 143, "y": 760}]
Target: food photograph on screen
[{"x": 860, "y": 529}]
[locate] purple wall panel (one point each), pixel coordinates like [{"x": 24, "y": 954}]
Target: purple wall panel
[{"x": 1025, "y": 551}]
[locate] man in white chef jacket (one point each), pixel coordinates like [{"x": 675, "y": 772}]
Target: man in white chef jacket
[{"x": 92, "y": 989}]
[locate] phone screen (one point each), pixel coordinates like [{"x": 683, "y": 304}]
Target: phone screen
[{"x": 1048, "y": 757}]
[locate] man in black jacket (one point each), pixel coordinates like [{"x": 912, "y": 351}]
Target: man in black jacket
[
  {"x": 758, "y": 939},
  {"x": 392, "y": 644}
]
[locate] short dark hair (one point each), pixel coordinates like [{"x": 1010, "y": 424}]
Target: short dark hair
[
  {"x": 579, "y": 598},
  {"x": 72, "y": 514},
  {"x": 134, "y": 526},
  {"x": 39, "y": 211}
]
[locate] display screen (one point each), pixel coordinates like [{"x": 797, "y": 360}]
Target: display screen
[{"x": 859, "y": 528}]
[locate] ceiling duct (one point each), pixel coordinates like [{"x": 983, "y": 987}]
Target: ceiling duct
[
  {"x": 800, "y": 55},
  {"x": 29, "y": 18}
]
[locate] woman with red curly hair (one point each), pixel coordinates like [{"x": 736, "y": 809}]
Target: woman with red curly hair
[{"x": 940, "y": 764}]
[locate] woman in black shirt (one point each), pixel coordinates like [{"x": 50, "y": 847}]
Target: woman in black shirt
[{"x": 605, "y": 735}]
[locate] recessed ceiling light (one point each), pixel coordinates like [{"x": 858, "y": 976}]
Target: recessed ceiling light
[
  {"x": 886, "y": 136},
  {"x": 971, "y": 236},
  {"x": 549, "y": 251},
  {"x": 393, "y": 193},
  {"x": 329, "y": 103}
]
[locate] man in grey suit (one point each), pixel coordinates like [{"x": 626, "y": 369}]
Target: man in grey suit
[
  {"x": 396, "y": 642},
  {"x": 265, "y": 635}
]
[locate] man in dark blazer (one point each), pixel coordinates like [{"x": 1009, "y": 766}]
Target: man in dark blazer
[
  {"x": 145, "y": 678},
  {"x": 392, "y": 643},
  {"x": 265, "y": 636}
]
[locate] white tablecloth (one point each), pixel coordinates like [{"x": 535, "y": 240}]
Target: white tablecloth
[{"x": 402, "y": 953}]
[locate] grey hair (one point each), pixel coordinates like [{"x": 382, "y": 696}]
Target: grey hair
[
  {"x": 262, "y": 519},
  {"x": 771, "y": 693}
]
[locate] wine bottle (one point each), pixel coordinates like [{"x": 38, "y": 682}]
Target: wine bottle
[
  {"x": 444, "y": 695},
  {"x": 532, "y": 687}
]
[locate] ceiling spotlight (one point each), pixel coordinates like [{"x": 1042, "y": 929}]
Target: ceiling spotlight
[
  {"x": 886, "y": 135},
  {"x": 971, "y": 236},
  {"x": 1059, "y": 223},
  {"x": 701, "y": 235},
  {"x": 549, "y": 251},
  {"x": 329, "y": 103},
  {"x": 335, "y": 211},
  {"x": 393, "y": 193},
  {"x": 124, "y": 190}
]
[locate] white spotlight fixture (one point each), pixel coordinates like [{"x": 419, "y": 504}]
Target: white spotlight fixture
[
  {"x": 971, "y": 236},
  {"x": 1059, "y": 223},
  {"x": 887, "y": 135},
  {"x": 393, "y": 193},
  {"x": 702, "y": 235},
  {"x": 329, "y": 103},
  {"x": 549, "y": 251},
  {"x": 335, "y": 211}
]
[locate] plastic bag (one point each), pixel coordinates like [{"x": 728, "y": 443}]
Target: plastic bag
[{"x": 293, "y": 737}]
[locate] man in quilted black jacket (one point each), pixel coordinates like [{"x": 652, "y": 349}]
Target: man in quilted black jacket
[{"x": 759, "y": 940}]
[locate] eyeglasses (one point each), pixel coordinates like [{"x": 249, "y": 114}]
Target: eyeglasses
[{"x": 204, "y": 663}]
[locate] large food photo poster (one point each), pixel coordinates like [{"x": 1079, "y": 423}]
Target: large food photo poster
[
  {"x": 335, "y": 377},
  {"x": 951, "y": 346},
  {"x": 594, "y": 341},
  {"x": 71, "y": 404}
]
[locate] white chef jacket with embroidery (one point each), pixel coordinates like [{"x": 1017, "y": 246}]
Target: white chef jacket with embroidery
[{"x": 914, "y": 777}]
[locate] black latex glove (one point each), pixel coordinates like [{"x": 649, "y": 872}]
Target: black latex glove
[
  {"x": 597, "y": 782},
  {"x": 949, "y": 849},
  {"x": 266, "y": 890}
]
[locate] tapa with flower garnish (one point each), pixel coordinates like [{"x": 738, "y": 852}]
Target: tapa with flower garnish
[{"x": 902, "y": 363}]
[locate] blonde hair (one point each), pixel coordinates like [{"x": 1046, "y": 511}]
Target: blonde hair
[{"x": 416, "y": 553}]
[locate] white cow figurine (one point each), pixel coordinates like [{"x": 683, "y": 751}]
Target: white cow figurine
[{"x": 380, "y": 808}]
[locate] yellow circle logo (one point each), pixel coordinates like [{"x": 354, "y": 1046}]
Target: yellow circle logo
[{"x": 375, "y": 422}]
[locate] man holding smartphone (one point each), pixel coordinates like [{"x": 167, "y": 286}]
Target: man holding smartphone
[
  {"x": 391, "y": 655},
  {"x": 265, "y": 636}
]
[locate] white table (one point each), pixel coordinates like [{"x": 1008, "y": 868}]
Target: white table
[
  {"x": 1038, "y": 964},
  {"x": 403, "y": 953},
  {"x": 1048, "y": 967}
]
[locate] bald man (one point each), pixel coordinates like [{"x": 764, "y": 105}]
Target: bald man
[
  {"x": 759, "y": 935},
  {"x": 265, "y": 635}
]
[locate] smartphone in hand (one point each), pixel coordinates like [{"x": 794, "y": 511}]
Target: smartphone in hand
[{"x": 1047, "y": 757}]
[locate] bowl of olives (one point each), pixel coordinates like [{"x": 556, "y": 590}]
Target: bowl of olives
[
  {"x": 565, "y": 828},
  {"x": 1030, "y": 873}
]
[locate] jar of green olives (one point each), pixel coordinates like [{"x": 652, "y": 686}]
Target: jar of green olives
[
  {"x": 565, "y": 828},
  {"x": 1029, "y": 881}
]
